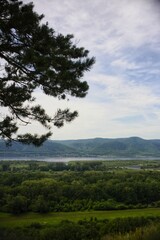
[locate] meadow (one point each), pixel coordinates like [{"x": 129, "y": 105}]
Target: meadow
[{"x": 9, "y": 220}]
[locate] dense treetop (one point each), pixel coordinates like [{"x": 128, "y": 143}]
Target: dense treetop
[{"x": 33, "y": 56}]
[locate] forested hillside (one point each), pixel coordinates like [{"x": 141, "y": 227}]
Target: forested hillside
[{"x": 120, "y": 147}]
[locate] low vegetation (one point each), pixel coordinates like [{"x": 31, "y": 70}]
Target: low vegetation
[
  {"x": 92, "y": 229},
  {"x": 23, "y": 220}
]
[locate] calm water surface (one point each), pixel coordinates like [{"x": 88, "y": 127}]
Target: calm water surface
[{"x": 68, "y": 159}]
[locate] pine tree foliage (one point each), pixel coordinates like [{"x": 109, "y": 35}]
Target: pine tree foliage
[{"x": 33, "y": 56}]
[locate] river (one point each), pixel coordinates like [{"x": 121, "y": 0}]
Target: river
[{"x": 68, "y": 159}]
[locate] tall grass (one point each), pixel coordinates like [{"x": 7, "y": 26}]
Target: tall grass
[{"x": 151, "y": 232}]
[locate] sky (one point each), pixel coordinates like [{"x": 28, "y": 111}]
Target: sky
[{"x": 124, "y": 95}]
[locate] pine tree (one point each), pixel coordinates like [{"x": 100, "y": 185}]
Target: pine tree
[{"x": 34, "y": 57}]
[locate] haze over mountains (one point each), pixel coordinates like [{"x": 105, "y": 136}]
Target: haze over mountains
[{"x": 97, "y": 147}]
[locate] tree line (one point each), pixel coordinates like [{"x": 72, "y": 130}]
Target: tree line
[{"x": 23, "y": 190}]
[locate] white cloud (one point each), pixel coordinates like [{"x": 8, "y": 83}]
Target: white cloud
[
  {"x": 104, "y": 25},
  {"x": 124, "y": 64},
  {"x": 121, "y": 99},
  {"x": 124, "y": 36},
  {"x": 125, "y": 91}
]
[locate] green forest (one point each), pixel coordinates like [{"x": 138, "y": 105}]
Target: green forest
[
  {"x": 82, "y": 200},
  {"x": 96, "y": 147}
]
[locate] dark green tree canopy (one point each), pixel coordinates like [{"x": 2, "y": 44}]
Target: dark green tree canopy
[{"x": 33, "y": 56}]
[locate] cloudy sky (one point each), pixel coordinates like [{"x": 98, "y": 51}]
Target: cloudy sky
[{"x": 124, "y": 95}]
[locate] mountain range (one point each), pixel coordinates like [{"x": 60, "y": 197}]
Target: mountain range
[{"x": 97, "y": 147}]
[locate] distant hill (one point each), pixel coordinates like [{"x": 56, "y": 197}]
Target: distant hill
[
  {"x": 119, "y": 147},
  {"x": 104, "y": 147}
]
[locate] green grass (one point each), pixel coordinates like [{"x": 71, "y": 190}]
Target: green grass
[{"x": 8, "y": 220}]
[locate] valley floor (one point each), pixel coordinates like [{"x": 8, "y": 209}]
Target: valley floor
[{"x": 9, "y": 220}]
